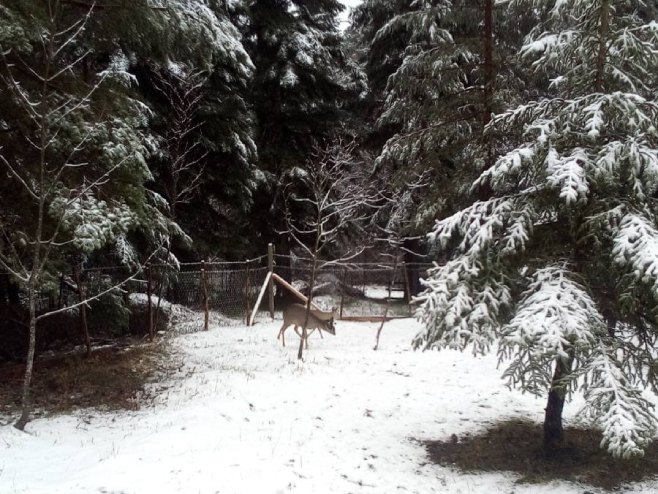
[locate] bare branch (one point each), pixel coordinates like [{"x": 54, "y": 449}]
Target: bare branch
[
  {"x": 18, "y": 177},
  {"x": 98, "y": 295},
  {"x": 77, "y": 26}
]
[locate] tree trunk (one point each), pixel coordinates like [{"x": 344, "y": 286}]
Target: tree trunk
[
  {"x": 84, "y": 327},
  {"x": 29, "y": 364},
  {"x": 388, "y": 300},
  {"x": 489, "y": 75},
  {"x": 311, "y": 285},
  {"x": 553, "y": 431}
]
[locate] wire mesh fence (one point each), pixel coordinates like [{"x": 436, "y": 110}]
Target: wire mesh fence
[
  {"x": 357, "y": 290},
  {"x": 184, "y": 298},
  {"x": 231, "y": 288}
]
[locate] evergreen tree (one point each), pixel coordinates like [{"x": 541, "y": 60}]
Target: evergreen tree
[
  {"x": 444, "y": 77},
  {"x": 222, "y": 126},
  {"x": 559, "y": 267},
  {"x": 77, "y": 139},
  {"x": 300, "y": 78},
  {"x": 75, "y": 153}
]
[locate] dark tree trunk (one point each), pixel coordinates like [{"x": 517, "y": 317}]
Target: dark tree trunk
[
  {"x": 553, "y": 431},
  {"x": 29, "y": 363},
  {"x": 412, "y": 256}
]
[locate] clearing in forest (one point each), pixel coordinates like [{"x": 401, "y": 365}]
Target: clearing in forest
[{"x": 242, "y": 415}]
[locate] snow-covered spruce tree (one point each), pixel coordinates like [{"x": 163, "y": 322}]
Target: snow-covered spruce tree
[
  {"x": 300, "y": 77},
  {"x": 445, "y": 75},
  {"x": 381, "y": 56},
  {"x": 559, "y": 269},
  {"x": 299, "y": 85},
  {"x": 222, "y": 124}
]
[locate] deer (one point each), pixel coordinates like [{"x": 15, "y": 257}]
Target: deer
[{"x": 295, "y": 314}]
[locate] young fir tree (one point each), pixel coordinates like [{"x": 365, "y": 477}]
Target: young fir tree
[
  {"x": 445, "y": 75},
  {"x": 559, "y": 269}
]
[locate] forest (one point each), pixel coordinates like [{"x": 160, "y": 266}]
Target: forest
[{"x": 514, "y": 143}]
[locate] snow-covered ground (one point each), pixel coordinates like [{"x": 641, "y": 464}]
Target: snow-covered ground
[{"x": 243, "y": 416}]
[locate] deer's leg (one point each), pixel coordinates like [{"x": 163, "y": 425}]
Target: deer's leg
[{"x": 282, "y": 333}]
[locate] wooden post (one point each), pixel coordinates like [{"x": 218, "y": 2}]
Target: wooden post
[
  {"x": 260, "y": 297},
  {"x": 83, "y": 309},
  {"x": 247, "y": 292},
  {"x": 293, "y": 290},
  {"x": 342, "y": 295},
  {"x": 407, "y": 287},
  {"x": 204, "y": 288},
  {"x": 270, "y": 268},
  {"x": 149, "y": 302}
]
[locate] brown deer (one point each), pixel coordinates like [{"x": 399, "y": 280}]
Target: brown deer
[{"x": 295, "y": 314}]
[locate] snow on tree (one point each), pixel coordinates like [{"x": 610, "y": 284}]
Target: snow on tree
[
  {"x": 444, "y": 77},
  {"x": 559, "y": 268},
  {"x": 300, "y": 76},
  {"x": 76, "y": 143},
  {"x": 163, "y": 42},
  {"x": 298, "y": 90}
]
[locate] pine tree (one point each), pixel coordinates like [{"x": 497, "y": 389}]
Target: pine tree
[
  {"x": 558, "y": 268},
  {"x": 300, "y": 76},
  {"x": 222, "y": 125}
]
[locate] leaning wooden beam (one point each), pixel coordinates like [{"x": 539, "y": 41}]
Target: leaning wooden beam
[
  {"x": 293, "y": 290},
  {"x": 260, "y": 297}
]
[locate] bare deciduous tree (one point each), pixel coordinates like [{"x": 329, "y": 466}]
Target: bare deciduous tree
[
  {"x": 324, "y": 202},
  {"x": 183, "y": 166}
]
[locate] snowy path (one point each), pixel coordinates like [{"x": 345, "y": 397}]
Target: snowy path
[{"x": 250, "y": 419}]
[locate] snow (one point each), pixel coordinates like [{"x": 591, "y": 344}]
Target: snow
[
  {"x": 381, "y": 292},
  {"x": 243, "y": 416},
  {"x": 344, "y": 16}
]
